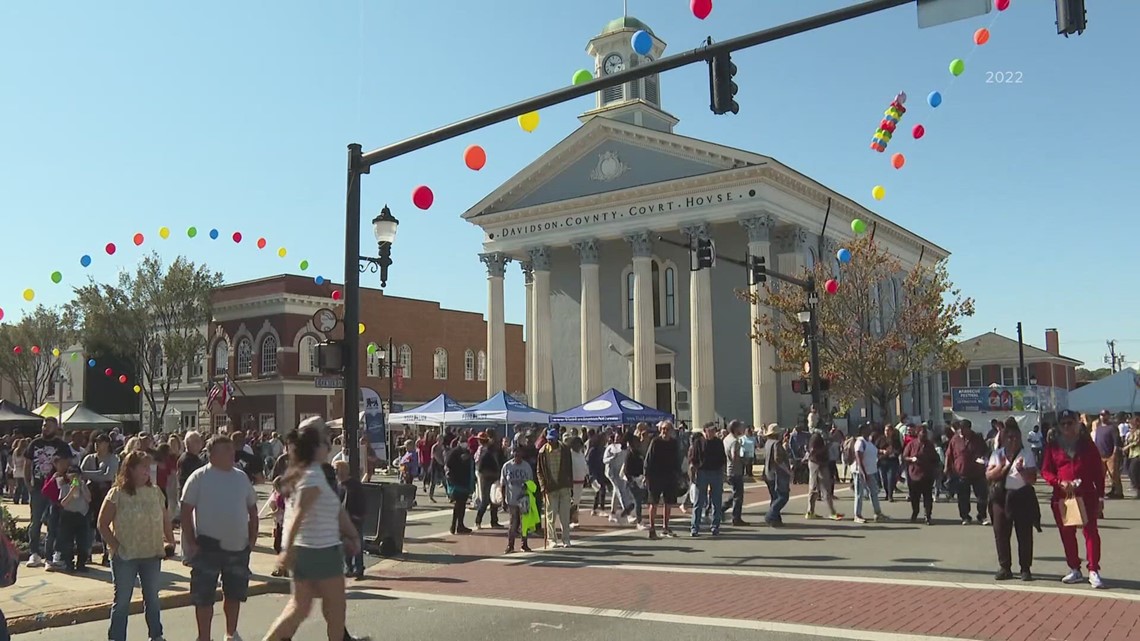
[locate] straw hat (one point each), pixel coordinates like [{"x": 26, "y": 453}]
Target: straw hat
[{"x": 773, "y": 430}]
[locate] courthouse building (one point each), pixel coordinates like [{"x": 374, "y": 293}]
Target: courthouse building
[{"x": 609, "y": 305}]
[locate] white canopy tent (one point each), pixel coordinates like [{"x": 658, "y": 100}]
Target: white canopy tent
[
  {"x": 1119, "y": 392},
  {"x": 433, "y": 412}
]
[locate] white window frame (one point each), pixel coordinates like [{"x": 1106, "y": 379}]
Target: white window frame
[
  {"x": 268, "y": 356},
  {"x": 481, "y": 366},
  {"x": 307, "y": 355},
  {"x": 1012, "y": 380},
  {"x": 944, "y": 382},
  {"x": 217, "y": 422},
  {"x": 374, "y": 369},
  {"x": 469, "y": 365},
  {"x": 439, "y": 364},
  {"x": 666, "y": 303},
  {"x": 221, "y": 358},
  {"x": 244, "y": 353},
  {"x": 197, "y": 369},
  {"x": 970, "y": 378},
  {"x": 270, "y": 419},
  {"x": 405, "y": 361}
]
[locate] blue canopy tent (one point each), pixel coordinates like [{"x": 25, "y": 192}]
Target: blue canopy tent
[
  {"x": 501, "y": 409},
  {"x": 611, "y": 408},
  {"x": 433, "y": 412}
]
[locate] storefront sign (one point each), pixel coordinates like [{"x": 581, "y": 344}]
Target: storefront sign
[{"x": 636, "y": 210}]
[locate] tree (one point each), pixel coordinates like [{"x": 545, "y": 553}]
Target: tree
[
  {"x": 1088, "y": 376},
  {"x": 33, "y": 371},
  {"x": 153, "y": 320},
  {"x": 876, "y": 331}
]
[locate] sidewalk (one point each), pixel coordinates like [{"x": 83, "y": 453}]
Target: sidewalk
[{"x": 42, "y": 599}]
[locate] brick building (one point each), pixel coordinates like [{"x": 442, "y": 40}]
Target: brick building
[
  {"x": 992, "y": 358},
  {"x": 264, "y": 338}
]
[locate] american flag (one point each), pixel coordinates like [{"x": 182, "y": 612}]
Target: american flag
[{"x": 220, "y": 393}]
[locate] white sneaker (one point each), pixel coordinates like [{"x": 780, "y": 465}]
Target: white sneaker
[
  {"x": 233, "y": 637},
  {"x": 631, "y": 519},
  {"x": 35, "y": 561},
  {"x": 1095, "y": 581},
  {"x": 1074, "y": 576},
  {"x": 557, "y": 544},
  {"x": 641, "y": 527},
  {"x": 613, "y": 519}
]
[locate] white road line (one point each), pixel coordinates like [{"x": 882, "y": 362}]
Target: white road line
[
  {"x": 995, "y": 587},
  {"x": 677, "y": 619}
]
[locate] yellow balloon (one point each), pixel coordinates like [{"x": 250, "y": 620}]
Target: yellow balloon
[
  {"x": 55, "y": 352},
  {"x": 29, "y": 295},
  {"x": 164, "y": 232},
  {"x": 529, "y": 121},
  {"x": 362, "y": 328},
  {"x": 878, "y": 193},
  {"x": 137, "y": 389},
  {"x": 281, "y": 252}
]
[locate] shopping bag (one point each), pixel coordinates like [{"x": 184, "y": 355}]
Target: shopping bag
[{"x": 1073, "y": 512}]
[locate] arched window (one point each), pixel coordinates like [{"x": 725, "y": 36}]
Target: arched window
[
  {"x": 481, "y": 366},
  {"x": 221, "y": 358},
  {"x": 307, "y": 355},
  {"x": 670, "y": 296},
  {"x": 629, "y": 300},
  {"x": 245, "y": 357},
  {"x": 469, "y": 365},
  {"x": 439, "y": 362},
  {"x": 373, "y": 367},
  {"x": 655, "y": 271},
  {"x": 157, "y": 366},
  {"x": 405, "y": 361},
  {"x": 269, "y": 355}
]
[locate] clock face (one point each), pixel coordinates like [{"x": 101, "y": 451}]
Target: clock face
[
  {"x": 325, "y": 320},
  {"x": 613, "y": 64}
]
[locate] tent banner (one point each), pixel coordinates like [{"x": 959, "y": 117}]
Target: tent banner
[
  {"x": 1033, "y": 398},
  {"x": 374, "y": 424}
]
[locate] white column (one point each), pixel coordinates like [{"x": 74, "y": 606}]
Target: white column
[
  {"x": 543, "y": 363},
  {"x": 927, "y": 408},
  {"x": 765, "y": 381},
  {"x": 702, "y": 373},
  {"x": 528, "y": 280},
  {"x": 644, "y": 339},
  {"x": 496, "y": 328},
  {"x": 591, "y": 320}
]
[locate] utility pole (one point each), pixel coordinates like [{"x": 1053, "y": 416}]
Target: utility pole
[
  {"x": 1111, "y": 359},
  {"x": 1020, "y": 356}
]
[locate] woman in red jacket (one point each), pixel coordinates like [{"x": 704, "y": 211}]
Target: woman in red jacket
[{"x": 1072, "y": 465}]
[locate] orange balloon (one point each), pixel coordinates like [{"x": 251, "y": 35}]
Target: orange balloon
[
  {"x": 475, "y": 157},
  {"x": 981, "y": 36},
  {"x": 898, "y": 160}
]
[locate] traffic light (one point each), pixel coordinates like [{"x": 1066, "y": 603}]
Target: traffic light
[
  {"x": 721, "y": 85},
  {"x": 758, "y": 270},
  {"x": 801, "y": 386},
  {"x": 1070, "y": 17},
  {"x": 704, "y": 255}
]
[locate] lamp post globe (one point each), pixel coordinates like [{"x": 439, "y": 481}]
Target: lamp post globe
[{"x": 384, "y": 226}]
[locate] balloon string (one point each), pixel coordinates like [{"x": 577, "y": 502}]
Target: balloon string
[{"x": 974, "y": 50}]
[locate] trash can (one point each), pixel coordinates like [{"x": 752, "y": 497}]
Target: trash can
[{"x": 391, "y": 502}]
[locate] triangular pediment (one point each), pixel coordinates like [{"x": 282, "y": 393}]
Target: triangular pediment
[{"x": 605, "y": 155}]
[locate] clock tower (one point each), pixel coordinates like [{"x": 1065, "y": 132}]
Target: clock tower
[{"x": 637, "y": 102}]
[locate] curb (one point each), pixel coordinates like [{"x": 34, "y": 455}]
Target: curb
[{"x": 102, "y": 611}]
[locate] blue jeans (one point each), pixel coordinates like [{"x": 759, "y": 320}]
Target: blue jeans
[
  {"x": 123, "y": 573},
  {"x": 4, "y": 636},
  {"x": 41, "y": 516},
  {"x": 737, "y": 484},
  {"x": 780, "y": 491},
  {"x": 889, "y": 470},
  {"x": 870, "y": 485},
  {"x": 354, "y": 563},
  {"x": 709, "y": 483}
]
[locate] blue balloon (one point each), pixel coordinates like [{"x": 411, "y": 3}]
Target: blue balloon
[
  {"x": 844, "y": 255},
  {"x": 934, "y": 99},
  {"x": 320, "y": 280},
  {"x": 642, "y": 43},
  {"x": 91, "y": 363},
  {"x": 213, "y": 234},
  {"x": 85, "y": 260}
]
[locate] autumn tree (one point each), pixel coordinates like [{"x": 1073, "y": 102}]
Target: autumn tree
[
  {"x": 154, "y": 320},
  {"x": 882, "y": 326},
  {"x": 27, "y": 359}
]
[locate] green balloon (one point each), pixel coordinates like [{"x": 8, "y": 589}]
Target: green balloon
[
  {"x": 56, "y": 277},
  {"x": 858, "y": 226},
  {"x": 192, "y": 232},
  {"x": 74, "y": 356},
  {"x": 957, "y": 66},
  {"x": 372, "y": 348},
  {"x": 304, "y": 265},
  {"x": 582, "y": 76}
]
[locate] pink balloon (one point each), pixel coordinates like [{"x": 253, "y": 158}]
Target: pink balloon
[
  {"x": 422, "y": 197},
  {"x": 919, "y": 131},
  {"x": 701, "y": 8},
  {"x": 1002, "y": 5}
]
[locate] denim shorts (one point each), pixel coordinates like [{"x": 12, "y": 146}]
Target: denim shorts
[{"x": 207, "y": 566}]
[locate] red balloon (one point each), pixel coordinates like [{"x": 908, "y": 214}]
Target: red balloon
[
  {"x": 336, "y": 294},
  {"x": 237, "y": 236},
  {"x": 35, "y": 349},
  {"x": 123, "y": 378},
  {"x": 831, "y": 286},
  {"x": 261, "y": 243},
  {"x": 1002, "y": 5},
  {"x": 17, "y": 350},
  {"x": 110, "y": 249},
  {"x": 475, "y": 157},
  {"x": 919, "y": 131},
  {"x": 701, "y": 8},
  {"x": 139, "y": 239},
  {"x": 108, "y": 372},
  {"x": 422, "y": 197}
]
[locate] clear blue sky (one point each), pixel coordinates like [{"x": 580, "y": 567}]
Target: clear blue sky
[{"x": 124, "y": 117}]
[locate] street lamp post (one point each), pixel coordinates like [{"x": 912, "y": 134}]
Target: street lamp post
[
  {"x": 384, "y": 228},
  {"x": 808, "y": 318}
]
